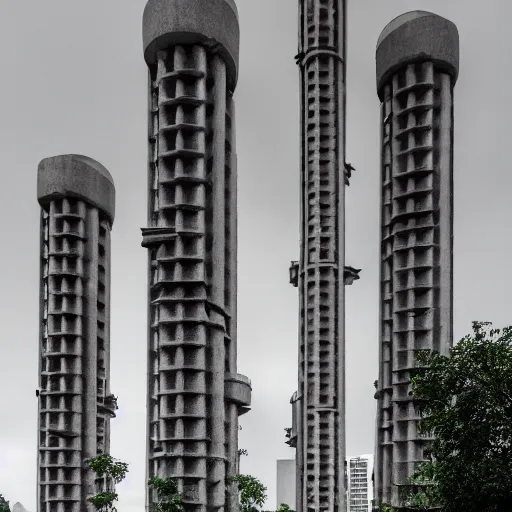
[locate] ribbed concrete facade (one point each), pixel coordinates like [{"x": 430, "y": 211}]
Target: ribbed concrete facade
[
  {"x": 320, "y": 400},
  {"x": 77, "y": 198},
  {"x": 194, "y": 392},
  {"x": 417, "y": 65}
]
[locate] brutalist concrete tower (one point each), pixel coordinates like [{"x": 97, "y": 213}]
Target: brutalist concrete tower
[
  {"x": 77, "y": 199},
  {"x": 319, "y": 404},
  {"x": 417, "y": 65},
  {"x": 194, "y": 393}
]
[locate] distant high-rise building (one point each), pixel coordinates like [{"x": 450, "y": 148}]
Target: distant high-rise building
[
  {"x": 77, "y": 199},
  {"x": 195, "y": 394},
  {"x": 286, "y": 483},
  {"x": 417, "y": 64},
  {"x": 360, "y": 487}
]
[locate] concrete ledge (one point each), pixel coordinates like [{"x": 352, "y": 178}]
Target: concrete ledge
[
  {"x": 237, "y": 389},
  {"x": 413, "y": 37},
  {"x": 167, "y": 23},
  {"x": 76, "y": 176}
]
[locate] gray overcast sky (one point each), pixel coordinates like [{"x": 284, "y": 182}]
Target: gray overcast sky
[{"x": 74, "y": 80}]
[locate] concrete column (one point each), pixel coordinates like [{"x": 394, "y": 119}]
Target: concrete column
[
  {"x": 233, "y": 458},
  {"x": 446, "y": 208},
  {"x": 90, "y": 360},
  {"x": 217, "y": 447}
]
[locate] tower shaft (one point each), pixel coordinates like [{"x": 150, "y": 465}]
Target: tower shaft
[
  {"x": 194, "y": 393},
  {"x": 74, "y": 363},
  {"x": 417, "y": 236},
  {"x": 321, "y": 429}
]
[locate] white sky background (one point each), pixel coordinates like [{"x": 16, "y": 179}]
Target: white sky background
[{"x": 74, "y": 80}]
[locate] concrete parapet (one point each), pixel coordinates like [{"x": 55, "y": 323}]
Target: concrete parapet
[
  {"x": 76, "y": 176},
  {"x": 417, "y": 36},
  {"x": 211, "y": 23}
]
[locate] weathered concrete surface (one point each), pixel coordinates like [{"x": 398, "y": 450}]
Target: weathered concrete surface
[
  {"x": 76, "y": 195},
  {"x": 417, "y": 65},
  {"x": 76, "y": 176},
  {"x": 414, "y": 37},
  {"x": 207, "y": 22},
  {"x": 195, "y": 394},
  {"x": 320, "y": 430}
]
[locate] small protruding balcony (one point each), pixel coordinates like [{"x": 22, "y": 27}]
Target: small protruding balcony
[
  {"x": 238, "y": 390},
  {"x": 348, "y": 168},
  {"x": 350, "y": 275},
  {"x": 109, "y": 406},
  {"x": 291, "y": 433},
  {"x": 294, "y": 273}
]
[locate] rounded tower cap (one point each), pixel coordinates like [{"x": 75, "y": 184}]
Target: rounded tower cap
[
  {"x": 76, "y": 176},
  {"x": 213, "y": 23},
  {"x": 414, "y": 37}
]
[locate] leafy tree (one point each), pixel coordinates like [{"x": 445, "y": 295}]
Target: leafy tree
[
  {"x": 169, "y": 499},
  {"x": 252, "y": 492},
  {"x": 115, "y": 470},
  {"x": 421, "y": 493},
  {"x": 284, "y": 508},
  {"x": 466, "y": 406},
  {"x": 4, "y": 504},
  {"x": 384, "y": 507}
]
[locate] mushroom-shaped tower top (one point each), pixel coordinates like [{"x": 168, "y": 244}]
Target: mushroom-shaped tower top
[
  {"x": 414, "y": 37},
  {"x": 166, "y": 23},
  {"x": 76, "y": 176}
]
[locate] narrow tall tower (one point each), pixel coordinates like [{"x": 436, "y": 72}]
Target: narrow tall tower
[
  {"x": 417, "y": 65},
  {"x": 77, "y": 199},
  {"x": 320, "y": 400},
  {"x": 194, "y": 393}
]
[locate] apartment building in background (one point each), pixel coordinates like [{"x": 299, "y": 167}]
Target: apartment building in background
[
  {"x": 359, "y": 483},
  {"x": 286, "y": 483}
]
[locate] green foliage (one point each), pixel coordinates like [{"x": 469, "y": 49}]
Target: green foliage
[
  {"x": 169, "y": 499},
  {"x": 466, "y": 406},
  {"x": 104, "y": 500},
  {"x": 252, "y": 492},
  {"x": 422, "y": 491},
  {"x": 284, "y": 508},
  {"x": 115, "y": 470},
  {"x": 107, "y": 465},
  {"x": 4, "y": 504},
  {"x": 384, "y": 507}
]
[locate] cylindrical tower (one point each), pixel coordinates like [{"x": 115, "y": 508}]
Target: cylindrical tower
[
  {"x": 321, "y": 381},
  {"x": 417, "y": 63},
  {"x": 194, "y": 393},
  {"x": 77, "y": 199}
]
